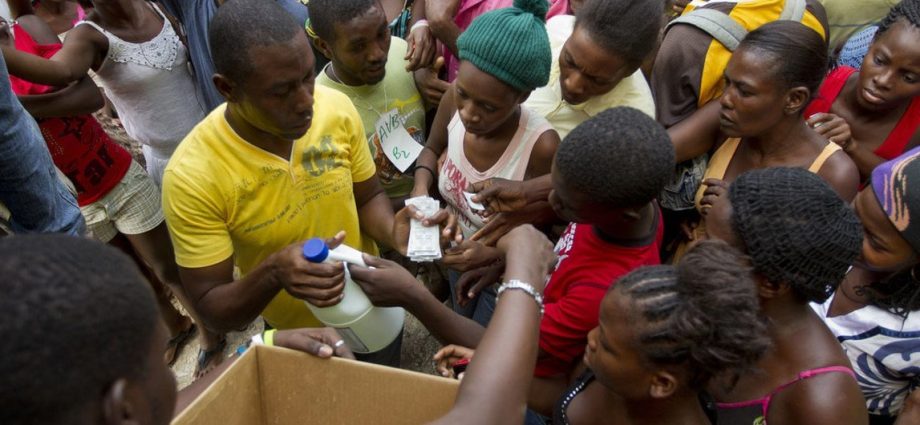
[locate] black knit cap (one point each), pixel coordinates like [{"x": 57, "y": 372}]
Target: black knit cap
[{"x": 795, "y": 229}]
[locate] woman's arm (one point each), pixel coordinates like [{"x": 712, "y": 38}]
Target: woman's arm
[
  {"x": 427, "y": 162},
  {"x": 80, "y": 98},
  {"x": 82, "y": 48},
  {"x": 495, "y": 386},
  {"x": 698, "y": 133}
]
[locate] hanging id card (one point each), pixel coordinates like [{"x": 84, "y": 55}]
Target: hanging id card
[{"x": 398, "y": 145}]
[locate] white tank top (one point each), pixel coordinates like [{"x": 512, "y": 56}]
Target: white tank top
[
  {"x": 152, "y": 87},
  {"x": 456, "y": 174}
]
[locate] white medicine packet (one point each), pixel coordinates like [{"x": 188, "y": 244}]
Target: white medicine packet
[
  {"x": 475, "y": 206},
  {"x": 424, "y": 242}
]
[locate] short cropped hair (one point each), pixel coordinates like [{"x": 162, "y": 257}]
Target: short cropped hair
[
  {"x": 240, "y": 25},
  {"x": 628, "y": 29},
  {"x": 77, "y": 315},
  {"x": 324, "y": 14},
  {"x": 618, "y": 158}
]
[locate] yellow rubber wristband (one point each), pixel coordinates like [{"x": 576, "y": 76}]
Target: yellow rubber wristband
[{"x": 268, "y": 337}]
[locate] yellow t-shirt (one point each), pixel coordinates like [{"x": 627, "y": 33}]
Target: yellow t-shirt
[{"x": 224, "y": 197}]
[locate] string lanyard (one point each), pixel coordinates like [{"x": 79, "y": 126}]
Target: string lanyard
[{"x": 354, "y": 96}]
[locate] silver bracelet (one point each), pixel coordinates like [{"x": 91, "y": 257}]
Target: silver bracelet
[{"x": 526, "y": 287}]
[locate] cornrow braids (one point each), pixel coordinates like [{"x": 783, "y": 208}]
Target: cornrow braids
[
  {"x": 702, "y": 315},
  {"x": 907, "y": 9}
]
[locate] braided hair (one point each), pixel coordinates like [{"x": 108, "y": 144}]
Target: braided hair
[
  {"x": 907, "y": 9},
  {"x": 795, "y": 229},
  {"x": 701, "y": 315},
  {"x": 898, "y": 294}
]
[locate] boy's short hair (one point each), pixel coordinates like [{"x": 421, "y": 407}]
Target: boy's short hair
[
  {"x": 618, "y": 158},
  {"x": 77, "y": 316},
  {"x": 241, "y": 24},
  {"x": 324, "y": 14}
]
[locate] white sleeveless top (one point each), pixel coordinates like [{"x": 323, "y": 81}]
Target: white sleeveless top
[
  {"x": 456, "y": 174},
  {"x": 152, "y": 87}
]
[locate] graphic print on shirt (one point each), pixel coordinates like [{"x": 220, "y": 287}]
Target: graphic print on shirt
[{"x": 455, "y": 184}]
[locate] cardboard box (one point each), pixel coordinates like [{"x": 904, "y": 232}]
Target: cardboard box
[{"x": 270, "y": 385}]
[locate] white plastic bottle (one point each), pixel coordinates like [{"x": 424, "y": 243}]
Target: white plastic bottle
[{"x": 364, "y": 328}]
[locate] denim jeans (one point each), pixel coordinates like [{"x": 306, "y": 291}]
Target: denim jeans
[
  {"x": 29, "y": 186},
  {"x": 480, "y": 309}
]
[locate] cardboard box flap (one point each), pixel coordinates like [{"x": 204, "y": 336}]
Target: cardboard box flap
[{"x": 271, "y": 385}]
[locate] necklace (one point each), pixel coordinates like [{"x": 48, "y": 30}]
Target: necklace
[{"x": 355, "y": 98}]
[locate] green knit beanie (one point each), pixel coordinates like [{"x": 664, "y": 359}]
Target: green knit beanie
[{"x": 510, "y": 44}]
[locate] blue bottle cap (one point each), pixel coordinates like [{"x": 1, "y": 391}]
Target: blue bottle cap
[{"x": 315, "y": 250}]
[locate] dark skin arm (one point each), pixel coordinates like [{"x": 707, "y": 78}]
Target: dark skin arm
[
  {"x": 510, "y": 344},
  {"x": 227, "y": 304},
  {"x": 866, "y": 160},
  {"x": 841, "y": 174},
  {"x": 83, "y": 49},
  {"x": 440, "y": 14},
  {"x": 387, "y": 285},
  {"x": 80, "y": 98},
  {"x": 437, "y": 142},
  {"x": 698, "y": 133}
]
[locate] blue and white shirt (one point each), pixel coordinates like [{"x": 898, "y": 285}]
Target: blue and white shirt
[{"x": 885, "y": 352}]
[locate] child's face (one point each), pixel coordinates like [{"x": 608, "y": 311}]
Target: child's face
[
  {"x": 565, "y": 202},
  {"x": 484, "y": 102},
  {"x": 890, "y": 72},
  {"x": 883, "y": 248},
  {"x": 586, "y": 70},
  {"x": 611, "y": 351}
]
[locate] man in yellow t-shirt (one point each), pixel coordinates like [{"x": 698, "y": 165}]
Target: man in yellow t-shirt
[{"x": 276, "y": 165}]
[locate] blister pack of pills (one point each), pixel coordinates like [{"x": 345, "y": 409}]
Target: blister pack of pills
[{"x": 424, "y": 242}]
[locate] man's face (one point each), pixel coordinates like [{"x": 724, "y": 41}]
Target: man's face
[
  {"x": 277, "y": 96},
  {"x": 360, "y": 47}
]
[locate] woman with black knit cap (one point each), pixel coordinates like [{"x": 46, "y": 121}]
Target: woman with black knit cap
[
  {"x": 801, "y": 238},
  {"x": 483, "y": 131},
  {"x": 758, "y": 122},
  {"x": 875, "y": 313}
]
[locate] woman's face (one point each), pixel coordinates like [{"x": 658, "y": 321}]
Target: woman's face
[
  {"x": 754, "y": 99},
  {"x": 890, "y": 73},
  {"x": 883, "y": 248},
  {"x": 611, "y": 352},
  {"x": 483, "y": 101}
]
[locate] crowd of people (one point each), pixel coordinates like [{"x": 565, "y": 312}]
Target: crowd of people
[{"x": 652, "y": 211}]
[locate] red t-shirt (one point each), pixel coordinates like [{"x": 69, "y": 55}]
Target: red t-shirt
[
  {"x": 587, "y": 266},
  {"x": 79, "y": 146}
]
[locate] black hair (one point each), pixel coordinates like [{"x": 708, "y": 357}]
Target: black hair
[
  {"x": 619, "y": 158},
  {"x": 628, "y": 29},
  {"x": 907, "y": 9},
  {"x": 799, "y": 52},
  {"x": 77, "y": 315},
  {"x": 702, "y": 315},
  {"x": 795, "y": 229},
  {"x": 898, "y": 294},
  {"x": 324, "y": 14},
  {"x": 240, "y": 25}
]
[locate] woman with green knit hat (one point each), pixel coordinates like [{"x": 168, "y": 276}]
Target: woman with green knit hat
[{"x": 505, "y": 54}]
